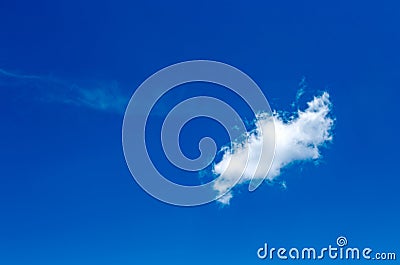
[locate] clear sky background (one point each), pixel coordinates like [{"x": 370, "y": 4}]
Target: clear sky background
[{"x": 68, "y": 68}]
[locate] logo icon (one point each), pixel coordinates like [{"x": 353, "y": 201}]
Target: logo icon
[{"x": 146, "y": 96}]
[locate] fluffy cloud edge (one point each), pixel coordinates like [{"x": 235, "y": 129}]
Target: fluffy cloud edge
[{"x": 297, "y": 138}]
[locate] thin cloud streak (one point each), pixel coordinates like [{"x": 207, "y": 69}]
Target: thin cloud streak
[{"x": 98, "y": 96}]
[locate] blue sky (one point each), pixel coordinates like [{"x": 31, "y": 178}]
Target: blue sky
[{"x": 66, "y": 194}]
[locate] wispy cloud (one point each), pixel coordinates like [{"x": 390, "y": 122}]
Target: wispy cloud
[
  {"x": 95, "y": 95},
  {"x": 298, "y": 138},
  {"x": 300, "y": 92}
]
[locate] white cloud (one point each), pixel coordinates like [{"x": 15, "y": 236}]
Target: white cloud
[{"x": 297, "y": 139}]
